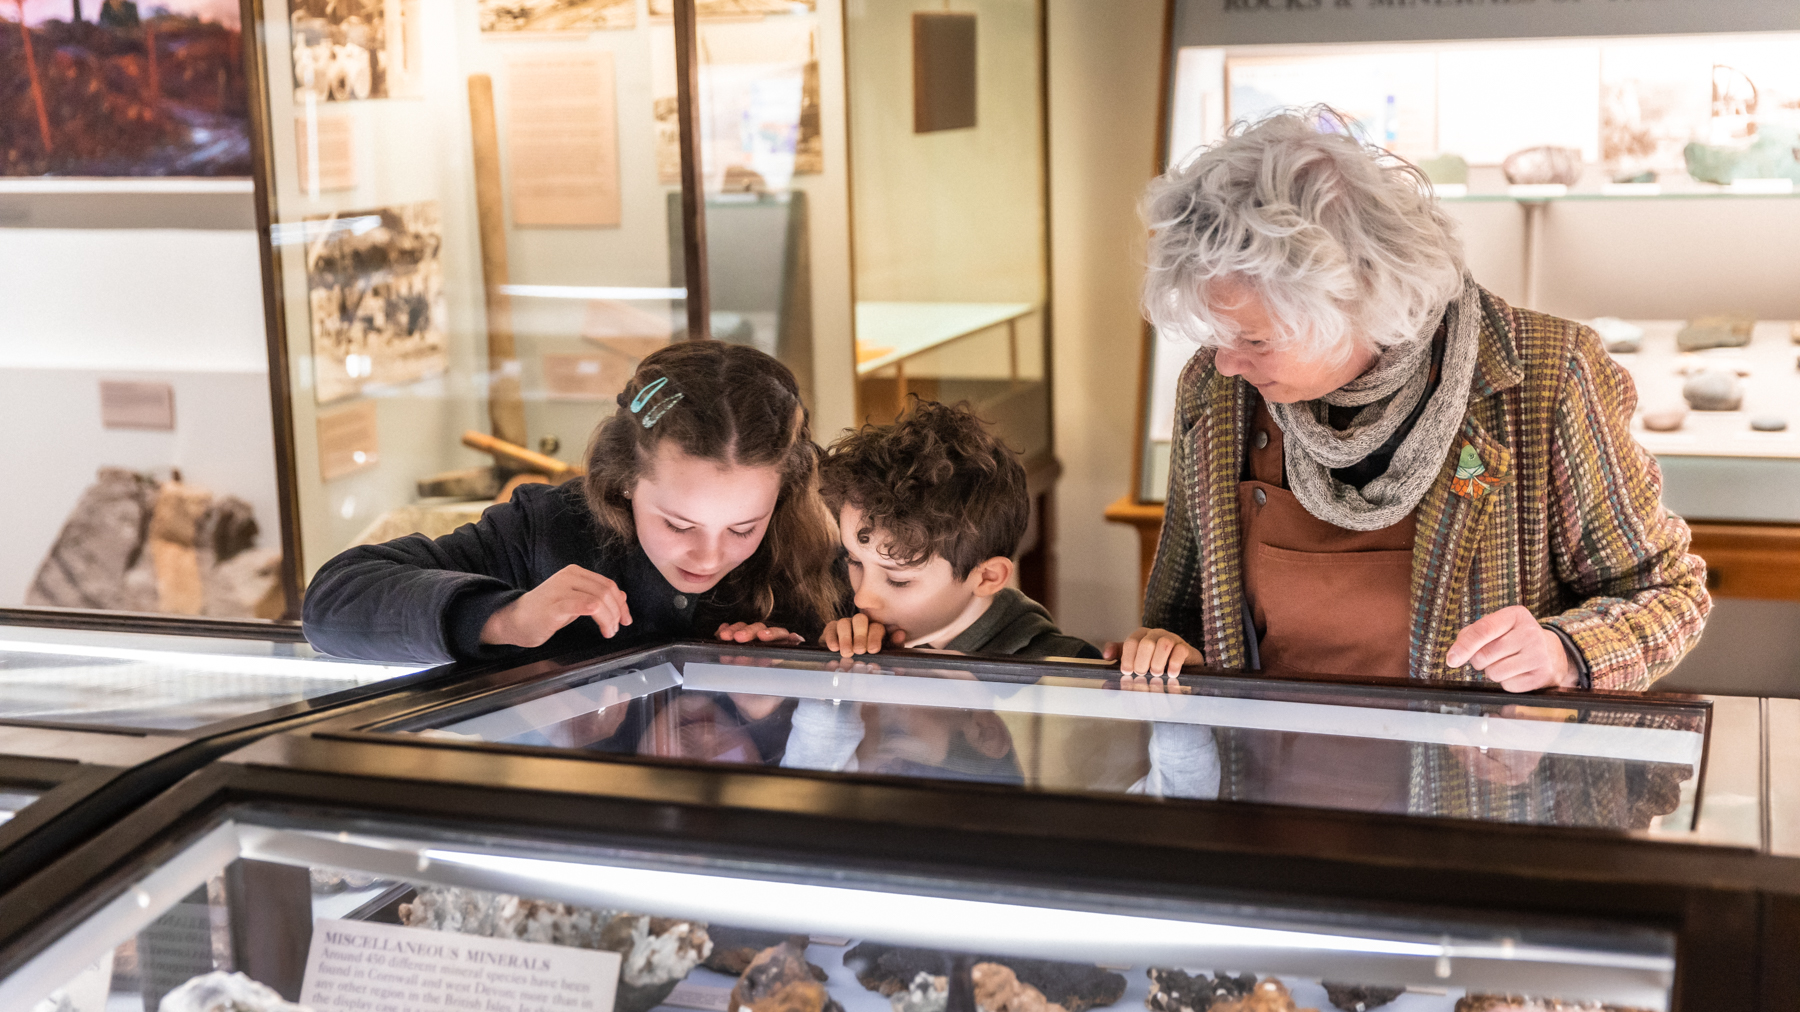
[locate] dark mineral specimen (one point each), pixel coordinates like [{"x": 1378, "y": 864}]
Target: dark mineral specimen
[
  {"x": 734, "y": 948},
  {"x": 1360, "y": 997},
  {"x": 1178, "y": 991},
  {"x": 780, "y": 979}
]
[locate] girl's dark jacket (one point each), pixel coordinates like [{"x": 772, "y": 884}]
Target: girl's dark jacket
[{"x": 423, "y": 600}]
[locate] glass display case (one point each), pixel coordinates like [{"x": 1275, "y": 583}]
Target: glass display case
[
  {"x": 93, "y": 722},
  {"x": 1620, "y": 183},
  {"x": 692, "y": 827}
]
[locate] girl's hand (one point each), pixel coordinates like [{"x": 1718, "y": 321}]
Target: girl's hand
[
  {"x": 1151, "y": 652},
  {"x": 859, "y": 634},
  {"x": 744, "y": 632},
  {"x": 1511, "y": 648},
  {"x": 569, "y": 594}
]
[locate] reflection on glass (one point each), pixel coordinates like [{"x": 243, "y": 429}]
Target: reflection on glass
[
  {"x": 1422, "y": 752},
  {"x": 335, "y": 918},
  {"x": 163, "y": 683},
  {"x": 12, "y": 801},
  {"x": 950, "y": 223}
]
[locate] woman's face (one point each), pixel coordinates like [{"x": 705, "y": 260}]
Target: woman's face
[
  {"x": 1281, "y": 375},
  {"x": 700, "y": 519}
]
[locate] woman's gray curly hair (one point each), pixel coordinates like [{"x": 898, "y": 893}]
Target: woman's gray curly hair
[{"x": 1341, "y": 239}]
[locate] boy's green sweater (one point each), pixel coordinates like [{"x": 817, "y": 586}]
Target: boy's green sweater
[{"x": 1015, "y": 624}]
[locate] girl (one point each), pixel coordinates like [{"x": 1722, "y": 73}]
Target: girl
[{"x": 698, "y": 508}]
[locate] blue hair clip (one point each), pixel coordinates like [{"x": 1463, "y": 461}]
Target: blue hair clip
[{"x": 643, "y": 397}]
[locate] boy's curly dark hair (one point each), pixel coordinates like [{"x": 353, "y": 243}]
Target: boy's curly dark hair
[{"x": 936, "y": 482}]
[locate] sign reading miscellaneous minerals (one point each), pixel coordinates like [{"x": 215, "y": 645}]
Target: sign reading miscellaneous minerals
[{"x": 359, "y": 966}]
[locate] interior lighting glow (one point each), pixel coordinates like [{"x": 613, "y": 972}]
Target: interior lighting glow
[
  {"x": 584, "y": 292},
  {"x": 354, "y": 672}
]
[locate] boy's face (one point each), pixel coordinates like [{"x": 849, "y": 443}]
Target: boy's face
[{"x": 921, "y": 599}]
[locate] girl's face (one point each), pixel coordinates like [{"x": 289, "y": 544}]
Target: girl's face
[{"x": 699, "y": 519}]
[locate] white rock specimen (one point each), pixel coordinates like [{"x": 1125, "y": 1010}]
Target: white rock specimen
[
  {"x": 1769, "y": 423},
  {"x": 227, "y": 992},
  {"x": 926, "y": 993},
  {"x": 658, "y": 951},
  {"x": 1713, "y": 389},
  {"x": 1665, "y": 420},
  {"x": 1536, "y": 166},
  {"x": 1620, "y": 337}
]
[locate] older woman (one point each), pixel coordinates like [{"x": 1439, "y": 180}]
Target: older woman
[{"x": 1379, "y": 467}]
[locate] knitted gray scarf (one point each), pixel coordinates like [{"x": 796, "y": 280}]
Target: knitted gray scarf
[{"x": 1387, "y": 394}]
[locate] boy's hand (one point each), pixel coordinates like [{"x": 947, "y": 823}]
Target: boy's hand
[
  {"x": 569, "y": 594},
  {"x": 744, "y": 632},
  {"x": 1150, "y": 652},
  {"x": 859, "y": 634}
]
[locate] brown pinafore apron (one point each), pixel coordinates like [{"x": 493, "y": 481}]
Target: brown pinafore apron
[{"x": 1327, "y": 603}]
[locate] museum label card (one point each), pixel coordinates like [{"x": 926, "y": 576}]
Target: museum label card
[
  {"x": 347, "y": 440},
  {"x": 325, "y": 144},
  {"x": 563, "y": 139},
  {"x": 362, "y": 965},
  {"x": 136, "y": 405}
]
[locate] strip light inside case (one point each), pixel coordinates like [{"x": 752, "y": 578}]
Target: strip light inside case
[{"x": 353, "y": 672}]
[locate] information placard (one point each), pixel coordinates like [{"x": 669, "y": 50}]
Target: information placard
[{"x": 359, "y": 966}]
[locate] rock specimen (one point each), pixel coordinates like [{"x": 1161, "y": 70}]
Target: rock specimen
[
  {"x": 1731, "y": 331},
  {"x": 132, "y": 544},
  {"x": 1794, "y": 332},
  {"x": 1665, "y": 419},
  {"x": 1536, "y": 166},
  {"x": 1177, "y": 991},
  {"x": 227, "y": 992},
  {"x": 1713, "y": 389},
  {"x": 1269, "y": 995},
  {"x": 999, "y": 989},
  {"x": 1769, "y": 156},
  {"x": 734, "y": 948},
  {"x": 658, "y": 951},
  {"x": 925, "y": 994},
  {"x": 780, "y": 979},
  {"x": 1769, "y": 423},
  {"x": 1638, "y": 176},
  {"x": 1522, "y": 1003},
  {"x": 1620, "y": 337},
  {"x": 1360, "y": 997},
  {"x": 1074, "y": 986},
  {"x": 1450, "y": 169}
]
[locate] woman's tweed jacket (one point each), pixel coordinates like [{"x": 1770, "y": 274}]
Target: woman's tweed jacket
[{"x": 1574, "y": 529}]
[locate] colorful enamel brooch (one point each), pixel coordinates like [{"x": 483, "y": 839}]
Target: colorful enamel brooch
[{"x": 1471, "y": 481}]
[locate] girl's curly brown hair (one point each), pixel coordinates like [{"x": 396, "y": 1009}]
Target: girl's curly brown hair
[
  {"x": 936, "y": 482},
  {"x": 735, "y": 405}
]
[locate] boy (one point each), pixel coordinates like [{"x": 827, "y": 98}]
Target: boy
[{"x": 930, "y": 510}]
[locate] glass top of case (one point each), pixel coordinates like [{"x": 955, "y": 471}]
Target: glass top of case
[
  {"x": 414, "y": 918},
  {"x": 1596, "y": 761},
  {"x": 164, "y": 683},
  {"x": 13, "y": 800}
]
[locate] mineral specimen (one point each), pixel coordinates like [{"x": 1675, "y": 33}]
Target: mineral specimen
[
  {"x": 1543, "y": 165},
  {"x": 925, "y": 994},
  {"x": 1620, "y": 338},
  {"x": 1665, "y": 420},
  {"x": 1522, "y": 1003},
  {"x": 1769, "y": 156},
  {"x": 1794, "y": 332},
  {"x": 999, "y": 989},
  {"x": 658, "y": 951},
  {"x": 1074, "y": 986},
  {"x": 1769, "y": 423},
  {"x": 1713, "y": 389},
  {"x": 1269, "y": 995},
  {"x": 780, "y": 979},
  {"x": 227, "y": 992},
  {"x": 1176, "y": 991},
  {"x": 1715, "y": 332},
  {"x": 734, "y": 948},
  {"x": 1360, "y": 997},
  {"x": 1638, "y": 176}
]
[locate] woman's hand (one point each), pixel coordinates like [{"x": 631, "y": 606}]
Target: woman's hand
[
  {"x": 1151, "y": 652},
  {"x": 569, "y": 594},
  {"x": 744, "y": 632},
  {"x": 1511, "y": 648},
  {"x": 859, "y": 634}
]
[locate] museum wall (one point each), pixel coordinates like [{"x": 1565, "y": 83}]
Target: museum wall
[
  {"x": 1103, "y": 103},
  {"x": 82, "y": 305},
  {"x": 929, "y": 207}
]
